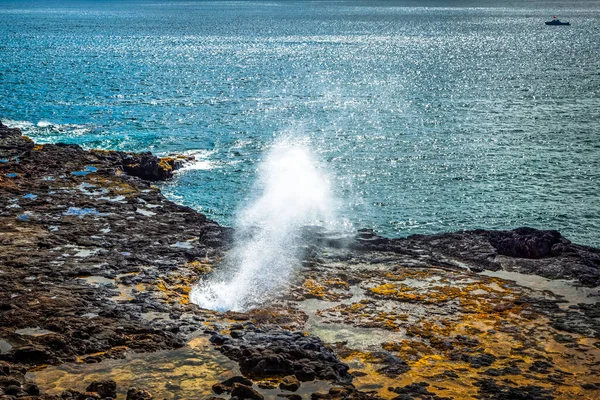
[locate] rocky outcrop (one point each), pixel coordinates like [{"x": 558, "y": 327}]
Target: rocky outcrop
[
  {"x": 142, "y": 165},
  {"x": 12, "y": 144},
  {"x": 281, "y": 353},
  {"x": 80, "y": 241},
  {"x": 525, "y": 250},
  {"x": 104, "y": 389},
  {"x": 96, "y": 263}
]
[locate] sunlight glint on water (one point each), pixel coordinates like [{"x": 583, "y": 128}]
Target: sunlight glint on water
[{"x": 438, "y": 117}]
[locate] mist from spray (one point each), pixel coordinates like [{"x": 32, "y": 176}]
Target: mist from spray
[{"x": 293, "y": 193}]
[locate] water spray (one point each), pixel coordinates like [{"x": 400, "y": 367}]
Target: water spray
[{"x": 293, "y": 193}]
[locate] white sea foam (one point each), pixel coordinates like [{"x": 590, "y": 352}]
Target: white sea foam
[
  {"x": 44, "y": 124},
  {"x": 201, "y": 160},
  {"x": 293, "y": 192},
  {"x": 47, "y": 132}
]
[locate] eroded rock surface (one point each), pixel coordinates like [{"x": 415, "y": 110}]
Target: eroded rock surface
[
  {"x": 96, "y": 266},
  {"x": 526, "y": 250}
]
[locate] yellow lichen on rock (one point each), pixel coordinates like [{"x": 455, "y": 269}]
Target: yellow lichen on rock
[
  {"x": 166, "y": 163},
  {"x": 200, "y": 267},
  {"x": 177, "y": 290}
]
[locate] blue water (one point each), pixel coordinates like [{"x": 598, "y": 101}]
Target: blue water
[{"x": 430, "y": 116}]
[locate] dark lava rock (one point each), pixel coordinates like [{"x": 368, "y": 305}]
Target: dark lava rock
[
  {"x": 219, "y": 388},
  {"x": 591, "y": 386},
  {"x": 4, "y": 368},
  {"x": 290, "y": 396},
  {"x": 526, "y": 242},
  {"x": 490, "y": 390},
  {"x": 541, "y": 367},
  {"x": 12, "y": 144},
  {"x": 227, "y": 385},
  {"x": 394, "y": 366},
  {"x": 13, "y": 390},
  {"x": 290, "y": 383},
  {"x": 479, "y": 360},
  {"x": 31, "y": 354},
  {"x": 31, "y": 389},
  {"x": 218, "y": 339},
  {"x": 526, "y": 250},
  {"x": 245, "y": 392},
  {"x": 138, "y": 394},
  {"x": 343, "y": 393},
  {"x": 237, "y": 334},
  {"x": 560, "y": 338},
  {"x": 237, "y": 379},
  {"x": 9, "y": 380},
  {"x": 415, "y": 391},
  {"x": 146, "y": 166},
  {"x": 503, "y": 371},
  {"x": 103, "y": 388},
  {"x": 281, "y": 353},
  {"x": 83, "y": 200}
]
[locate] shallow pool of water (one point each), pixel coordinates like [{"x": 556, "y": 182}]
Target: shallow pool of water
[
  {"x": 185, "y": 373},
  {"x": 568, "y": 290}
]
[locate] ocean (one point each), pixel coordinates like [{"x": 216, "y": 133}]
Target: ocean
[{"x": 427, "y": 116}]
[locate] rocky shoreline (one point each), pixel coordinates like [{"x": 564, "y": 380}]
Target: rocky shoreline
[{"x": 96, "y": 267}]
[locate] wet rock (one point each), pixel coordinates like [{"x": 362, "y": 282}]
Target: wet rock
[
  {"x": 415, "y": 391},
  {"x": 4, "y": 368},
  {"x": 342, "y": 393},
  {"x": 281, "y": 353},
  {"x": 9, "y": 380},
  {"x": 290, "y": 383},
  {"x": 289, "y": 396},
  {"x": 218, "y": 339},
  {"x": 103, "y": 388},
  {"x": 237, "y": 334},
  {"x": 503, "y": 371},
  {"x": 245, "y": 392},
  {"x": 491, "y": 390},
  {"x": 479, "y": 360},
  {"x": 88, "y": 396},
  {"x": 146, "y": 166},
  {"x": 561, "y": 338},
  {"x": 13, "y": 390},
  {"x": 87, "y": 225},
  {"x": 541, "y": 367},
  {"x": 100, "y": 248},
  {"x": 31, "y": 354},
  {"x": 219, "y": 388},
  {"x": 12, "y": 144},
  {"x": 227, "y": 385},
  {"x": 591, "y": 386},
  {"x": 138, "y": 394},
  {"x": 525, "y": 250},
  {"x": 394, "y": 366},
  {"x": 31, "y": 389},
  {"x": 526, "y": 242}
]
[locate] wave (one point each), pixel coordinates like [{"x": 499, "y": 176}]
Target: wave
[
  {"x": 46, "y": 132},
  {"x": 201, "y": 160}
]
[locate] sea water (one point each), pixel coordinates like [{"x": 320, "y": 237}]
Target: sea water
[{"x": 430, "y": 116}]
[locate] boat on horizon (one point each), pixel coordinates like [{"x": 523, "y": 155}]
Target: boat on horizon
[{"x": 556, "y": 21}]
